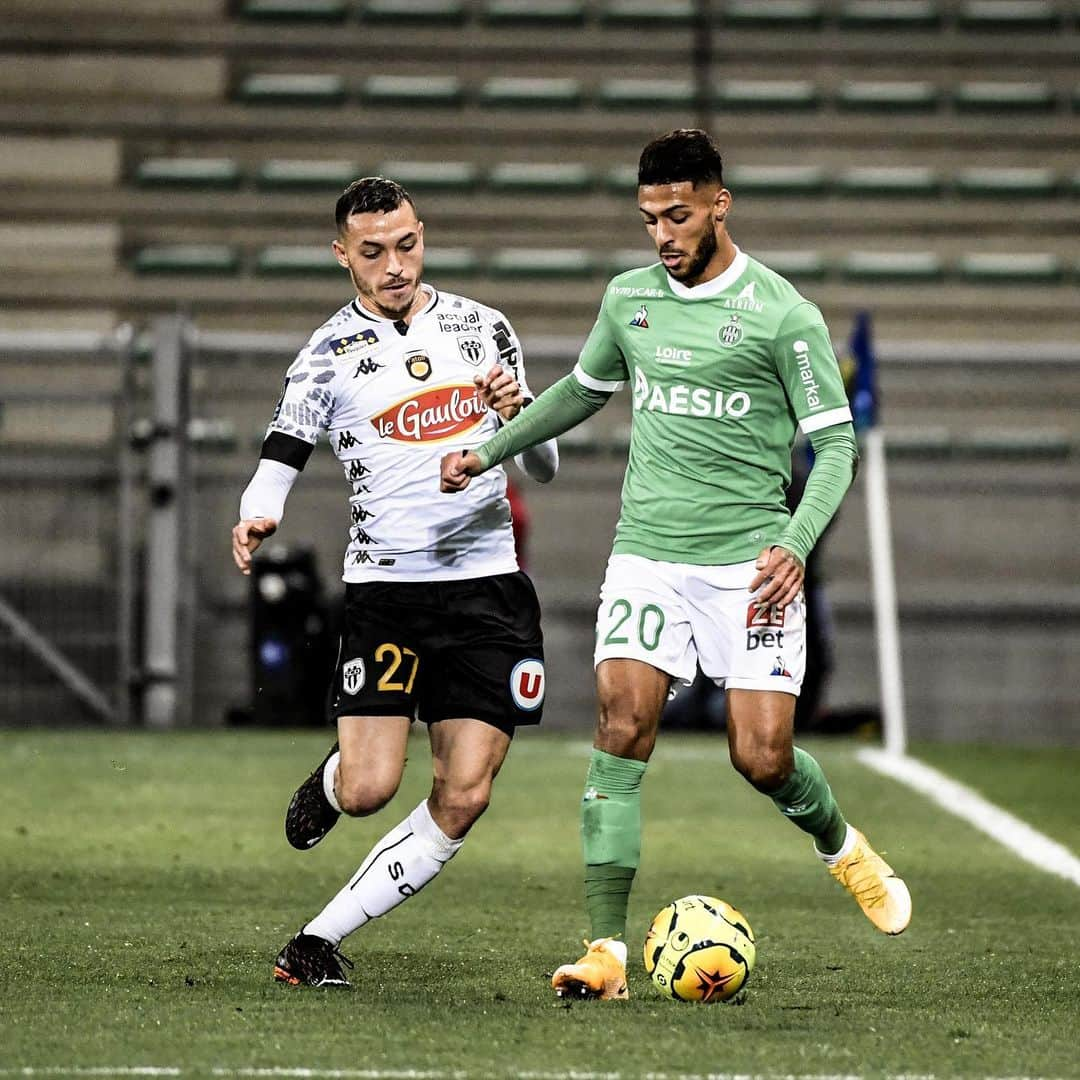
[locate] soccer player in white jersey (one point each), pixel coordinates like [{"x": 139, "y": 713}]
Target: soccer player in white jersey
[
  {"x": 440, "y": 623},
  {"x": 726, "y": 361}
]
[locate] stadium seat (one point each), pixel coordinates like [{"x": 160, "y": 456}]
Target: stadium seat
[
  {"x": 785, "y": 94},
  {"x": 892, "y": 96},
  {"x": 776, "y": 179},
  {"x": 647, "y": 13},
  {"x": 413, "y": 90},
  {"x": 286, "y": 89},
  {"x": 1004, "y": 96},
  {"x": 451, "y": 261},
  {"x": 281, "y": 260},
  {"x": 892, "y": 180},
  {"x": 621, "y": 178},
  {"x": 287, "y": 174},
  {"x": 1013, "y": 182},
  {"x": 432, "y": 175},
  {"x": 295, "y": 10},
  {"x": 622, "y": 259},
  {"x": 536, "y": 93},
  {"x": 420, "y": 11},
  {"x": 530, "y": 176},
  {"x": 188, "y": 172},
  {"x": 187, "y": 259},
  {"x": 918, "y": 442},
  {"x": 541, "y": 262},
  {"x": 1022, "y": 443},
  {"x": 1008, "y": 15},
  {"x": 773, "y": 13},
  {"x": 889, "y": 14},
  {"x": 891, "y": 266},
  {"x": 534, "y": 11},
  {"x": 794, "y": 264},
  {"x": 646, "y": 93},
  {"x": 1012, "y": 268}
]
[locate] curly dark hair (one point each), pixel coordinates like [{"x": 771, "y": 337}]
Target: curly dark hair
[{"x": 682, "y": 154}]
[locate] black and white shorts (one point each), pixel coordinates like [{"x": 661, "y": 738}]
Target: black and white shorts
[{"x": 440, "y": 650}]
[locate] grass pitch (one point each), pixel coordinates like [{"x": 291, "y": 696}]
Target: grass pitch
[{"x": 146, "y": 887}]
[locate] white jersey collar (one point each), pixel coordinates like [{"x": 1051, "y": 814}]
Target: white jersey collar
[
  {"x": 714, "y": 286},
  {"x": 363, "y": 312}
]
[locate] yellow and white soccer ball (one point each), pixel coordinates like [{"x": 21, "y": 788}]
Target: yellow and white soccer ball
[{"x": 699, "y": 949}]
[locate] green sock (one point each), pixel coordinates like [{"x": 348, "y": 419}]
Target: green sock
[
  {"x": 807, "y": 800},
  {"x": 611, "y": 839}
]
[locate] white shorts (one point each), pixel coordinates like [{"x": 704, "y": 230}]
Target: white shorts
[{"x": 676, "y": 616}]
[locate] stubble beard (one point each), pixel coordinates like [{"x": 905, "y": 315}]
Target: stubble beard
[{"x": 701, "y": 258}]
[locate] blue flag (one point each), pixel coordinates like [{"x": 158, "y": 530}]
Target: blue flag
[{"x": 864, "y": 397}]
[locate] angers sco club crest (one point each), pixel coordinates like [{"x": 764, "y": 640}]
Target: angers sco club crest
[{"x": 418, "y": 365}]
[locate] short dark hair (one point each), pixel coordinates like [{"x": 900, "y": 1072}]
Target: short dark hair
[
  {"x": 682, "y": 154},
  {"x": 370, "y": 195}
]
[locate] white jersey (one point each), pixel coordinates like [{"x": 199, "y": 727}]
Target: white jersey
[{"x": 393, "y": 399}]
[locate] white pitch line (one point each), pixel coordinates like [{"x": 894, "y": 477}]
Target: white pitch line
[{"x": 1017, "y": 835}]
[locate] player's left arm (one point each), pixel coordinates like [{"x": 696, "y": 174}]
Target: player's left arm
[{"x": 807, "y": 365}]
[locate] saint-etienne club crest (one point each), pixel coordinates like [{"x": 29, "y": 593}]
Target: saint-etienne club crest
[
  {"x": 730, "y": 334},
  {"x": 418, "y": 365}
]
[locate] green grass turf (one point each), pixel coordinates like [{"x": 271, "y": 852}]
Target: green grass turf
[{"x": 146, "y": 887}]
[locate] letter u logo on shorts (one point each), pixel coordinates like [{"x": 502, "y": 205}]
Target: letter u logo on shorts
[{"x": 527, "y": 684}]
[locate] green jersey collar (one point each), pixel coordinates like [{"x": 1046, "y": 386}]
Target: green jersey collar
[{"x": 714, "y": 286}]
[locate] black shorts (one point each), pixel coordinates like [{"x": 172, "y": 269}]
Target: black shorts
[{"x": 439, "y": 650}]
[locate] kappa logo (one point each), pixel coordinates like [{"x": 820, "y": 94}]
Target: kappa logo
[
  {"x": 731, "y": 333},
  {"x": 361, "y": 341},
  {"x": 746, "y": 300},
  {"x": 527, "y": 684},
  {"x": 353, "y": 676},
  {"x": 641, "y": 318},
  {"x": 367, "y": 366},
  {"x": 418, "y": 365},
  {"x": 346, "y": 441},
  {"x": 472, "y": 350}
]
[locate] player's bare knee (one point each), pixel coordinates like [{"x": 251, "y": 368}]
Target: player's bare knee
[
  {"x": 361, "y": 795},
  {"x": 457, "y": 809},
  {"x": 625, "y": 725},
  {"x": 765, "y": 769}
]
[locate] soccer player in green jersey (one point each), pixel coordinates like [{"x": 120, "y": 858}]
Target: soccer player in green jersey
[{"x": 726, "y": 360}]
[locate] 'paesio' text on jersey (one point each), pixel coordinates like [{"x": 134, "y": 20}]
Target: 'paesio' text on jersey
[
  {"x": 721, "y": 374},
  {"x": 392, "y": 404}
]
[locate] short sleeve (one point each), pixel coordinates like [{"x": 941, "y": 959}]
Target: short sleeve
[
  {"x": 306, "y": 405},
  {"x": 601, "y": 364},
  {"x": 805, "y": 360}
]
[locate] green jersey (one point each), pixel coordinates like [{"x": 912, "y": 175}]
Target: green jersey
[{"x": 722, "y": 374}]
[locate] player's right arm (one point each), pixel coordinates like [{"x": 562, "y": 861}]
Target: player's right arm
[
  {"x": 600, "y": 371},
  {"x": 303, "y": 411}
]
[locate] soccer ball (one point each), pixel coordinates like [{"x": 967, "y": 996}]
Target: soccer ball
[{"x": 699, "y": 949}]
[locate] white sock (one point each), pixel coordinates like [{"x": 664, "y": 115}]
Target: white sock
[
  {"x": 397, "y": 867},
  {"x": 845, "y": 848},
  {"x": 328, "y": 780},
  {"x": 618, "y": 948}
]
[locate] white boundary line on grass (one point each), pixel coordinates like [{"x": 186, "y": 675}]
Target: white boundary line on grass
[{"x": 1017, "y": 835}]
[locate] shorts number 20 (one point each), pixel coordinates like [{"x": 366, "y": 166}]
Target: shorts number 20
[{"x": 649, "y": 624}]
